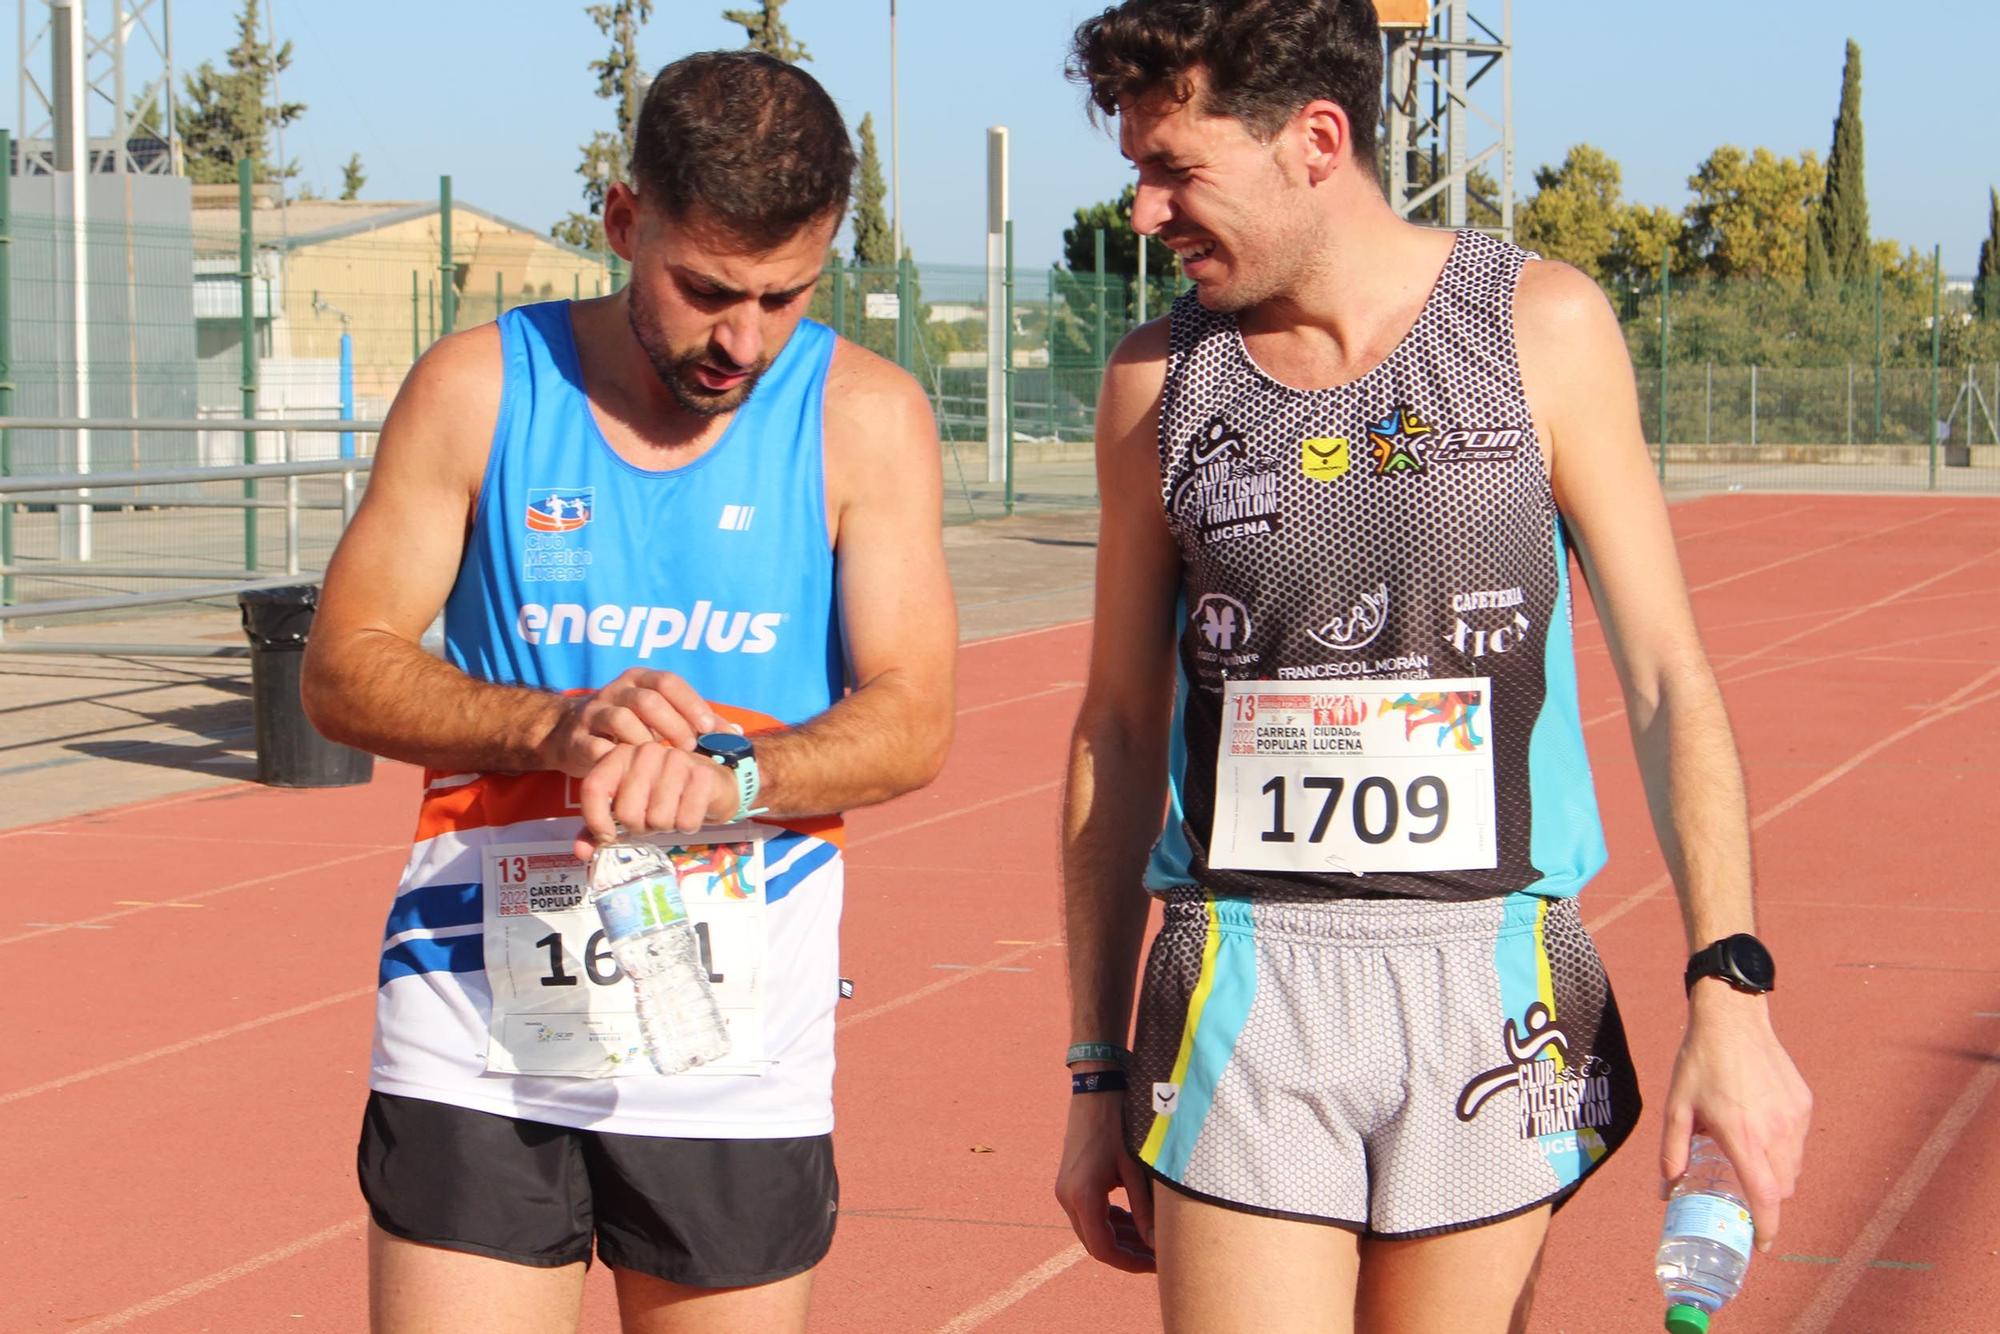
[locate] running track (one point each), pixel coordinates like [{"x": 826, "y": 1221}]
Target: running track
[{"x": 187, "y": 1035}]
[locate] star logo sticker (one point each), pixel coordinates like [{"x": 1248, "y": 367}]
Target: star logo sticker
[{"x": 1393, "y": 442}]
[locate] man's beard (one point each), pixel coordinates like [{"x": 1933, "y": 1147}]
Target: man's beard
[{"x": 677, "y": 372}]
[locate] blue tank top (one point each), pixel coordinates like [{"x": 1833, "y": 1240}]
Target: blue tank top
[{"x": 581, "y": 565}]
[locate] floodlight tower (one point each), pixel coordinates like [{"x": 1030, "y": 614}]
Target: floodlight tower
[
  {"x": 1449, "y": 106},
  {"x": 136, "y": 41}
]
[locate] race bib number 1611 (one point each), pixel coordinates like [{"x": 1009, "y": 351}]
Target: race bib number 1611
[{"x": 1358, "y": 776}]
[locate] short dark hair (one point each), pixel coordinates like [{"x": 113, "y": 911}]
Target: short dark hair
[
  {"x": 1262, "y": 59},
  {"x": 745, "y": 140}
]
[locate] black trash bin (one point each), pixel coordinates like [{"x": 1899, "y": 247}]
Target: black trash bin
[{"x": 289, "y": 752}]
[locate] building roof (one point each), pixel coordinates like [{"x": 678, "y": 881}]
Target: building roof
[{"x": 306, "y": 222}]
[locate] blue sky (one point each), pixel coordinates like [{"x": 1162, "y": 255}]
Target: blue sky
[{"x": 497, "y": 94}]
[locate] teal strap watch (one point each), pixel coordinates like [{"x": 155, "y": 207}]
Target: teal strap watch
[{"x": 736, "y": 754}]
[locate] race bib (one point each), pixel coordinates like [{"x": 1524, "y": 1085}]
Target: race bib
[
  {"x": 562, "y": 1005},
  {"x": 1357, "y": 776}
]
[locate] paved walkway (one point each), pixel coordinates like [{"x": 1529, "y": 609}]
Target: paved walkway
[{"x": 82, "y": 733}]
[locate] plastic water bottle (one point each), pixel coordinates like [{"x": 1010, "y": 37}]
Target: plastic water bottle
[
  {"x": 1705, "y": 1245},
  {"x": 638, "y": 898}
]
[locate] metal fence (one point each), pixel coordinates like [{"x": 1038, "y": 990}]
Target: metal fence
[{"x": 180, "y": 334}]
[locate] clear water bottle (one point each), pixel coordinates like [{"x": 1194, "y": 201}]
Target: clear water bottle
[
  {"x": 638, "y": 898},
  {"x": 1705, "y": 1245}
]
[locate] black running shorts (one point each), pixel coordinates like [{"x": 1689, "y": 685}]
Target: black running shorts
[{"x": 707, "y": 1213}]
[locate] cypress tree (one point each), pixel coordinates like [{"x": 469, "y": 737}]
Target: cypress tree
[
  {"x": 1837, "y": 247},
  {"x": 1986, "y": 285},
  {"x": 873, "y": 245},
  {"x": 765, "y": 28}
]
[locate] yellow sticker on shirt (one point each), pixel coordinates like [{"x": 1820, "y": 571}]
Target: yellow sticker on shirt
[{"x": 1324, "y": 459}]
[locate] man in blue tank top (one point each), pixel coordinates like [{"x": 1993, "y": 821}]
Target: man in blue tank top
[
  {"x": 687, "y": 547},
  {"x": 1341, "y": 484}
]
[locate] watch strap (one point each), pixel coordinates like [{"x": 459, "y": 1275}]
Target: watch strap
[{"x": 748, "y": 783}]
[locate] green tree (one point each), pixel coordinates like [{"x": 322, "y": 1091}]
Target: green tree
[
  {"x": 874, "y": 246},
  {"x": 766, "y": 30},
  {"x": 1574, "y": 213},
  {"x": 1121, "y": 259},
  {"x": 608, "y": 156},
  {"x": 1986, "y": 283},
  {"x": 1749, "y": 215},
  {"x": 1645, "y": 233},
  {"x": 228, "y": 113},
  {"x": 1577, "y": 215},
  {"x": 352, "y": 178},
  {"x": 1837, "y": 242}
]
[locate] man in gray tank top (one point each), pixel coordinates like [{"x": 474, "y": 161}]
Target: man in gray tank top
[{"x": 1342, "y": 481}]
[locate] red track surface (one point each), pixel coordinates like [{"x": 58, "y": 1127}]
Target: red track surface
[{"x": 186, "y": 1056}]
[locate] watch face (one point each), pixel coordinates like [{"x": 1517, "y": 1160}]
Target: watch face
[
  {"x": 725, "y": 746},
  {"x": 1746, "y": 960}
]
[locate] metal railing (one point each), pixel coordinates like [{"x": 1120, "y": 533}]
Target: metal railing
[{"x": 88, "y": 491}]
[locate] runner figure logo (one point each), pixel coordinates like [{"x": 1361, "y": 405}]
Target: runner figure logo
[
  {"x": 1224, "y": 493},
  {"x": 554, "y": 509},
  {"x": 1558, "y": 1096}
]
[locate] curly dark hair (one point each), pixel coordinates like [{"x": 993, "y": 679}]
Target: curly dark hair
[
  {"x": 755, "y": 145},
  {"x": 1261, "y": 59}
]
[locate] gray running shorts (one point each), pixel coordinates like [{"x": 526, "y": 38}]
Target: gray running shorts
[{"x": 1400, "y": 1068}]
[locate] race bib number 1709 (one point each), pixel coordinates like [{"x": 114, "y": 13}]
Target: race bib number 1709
[{"x": 1358, "y": 776}]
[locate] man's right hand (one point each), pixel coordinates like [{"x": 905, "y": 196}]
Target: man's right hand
[
  {"x": 1094, "y": 1163},
  {"x": 639, "y": 707}
]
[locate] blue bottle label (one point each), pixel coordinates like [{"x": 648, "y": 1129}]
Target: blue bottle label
[
  {"x": 1713, "y": 1218},
  {"x": 640, "y": 906}
]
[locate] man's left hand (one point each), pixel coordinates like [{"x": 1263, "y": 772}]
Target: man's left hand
[{"x": 1734, "y": 1083}]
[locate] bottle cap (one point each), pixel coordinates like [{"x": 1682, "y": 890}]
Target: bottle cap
[{"x": 1683, "y": 1318}]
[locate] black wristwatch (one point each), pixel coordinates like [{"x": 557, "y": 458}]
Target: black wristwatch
[{"x": 1741, "y": 961}]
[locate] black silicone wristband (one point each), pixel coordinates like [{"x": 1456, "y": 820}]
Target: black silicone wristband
[{"x": 1098, "y": 1081}]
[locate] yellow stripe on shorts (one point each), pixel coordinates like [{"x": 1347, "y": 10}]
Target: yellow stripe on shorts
[{"x": 1149, "y": 1152}]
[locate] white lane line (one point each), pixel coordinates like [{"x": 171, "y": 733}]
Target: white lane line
[
  {"x": 1798, "y": 556},
  {"x": 186, "y": 1044},
  {"x": 950, "y": 980},
  {"x": 1722, "y": 677},
  {"x": 942, "y": 816},
  {"x": 1888, "y": 1215},
  {"x": 1059, "y": 688},
  {"x": 1023, "y": 634},
  {"x": 153, "y": 1306},
  {"x": 1050, "y": 1268},
  {"x": 251, "y": 883},
  {"x": 1953, "y": 704}
]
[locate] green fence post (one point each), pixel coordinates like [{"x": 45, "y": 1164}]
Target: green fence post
[
  {"x": 1666, "y": 284},
  {"x": 904, "y": 349},
  {"x": 1878, "y": 356},
  {"x": 247, "y": 331},
  {"x": 1007, "y": 365},
  {"x": 499, "y": 294},
  {"x": 430, "y": 311},
  {"x": 1049, "y": 340},
  {"x": 447, "y": 272},
  {"x": 576, "y": 285},
  {"x": 6, "y": 358},
  {"x": 1937, "y": 334},
  {"x": 1098, "y": 260},
  {"x": 416, "y": 321},
  {"x": 839, "y": 275},
  {"x": 618, "y": 270}
]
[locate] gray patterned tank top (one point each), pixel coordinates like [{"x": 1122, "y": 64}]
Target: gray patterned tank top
[{"x": 1399, "y": 527}]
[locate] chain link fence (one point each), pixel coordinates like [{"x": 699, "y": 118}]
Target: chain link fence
[{"x": 319, "y": 309}]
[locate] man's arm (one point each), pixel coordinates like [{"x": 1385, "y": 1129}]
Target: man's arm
[
  {"x": 1117, "y": 778},
  {"x": 885, "y": 497},
  {"x": 369, "y": 683},
  {"x": 1732, "y": 1079},
  {"x": 889, "y": 735}
]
